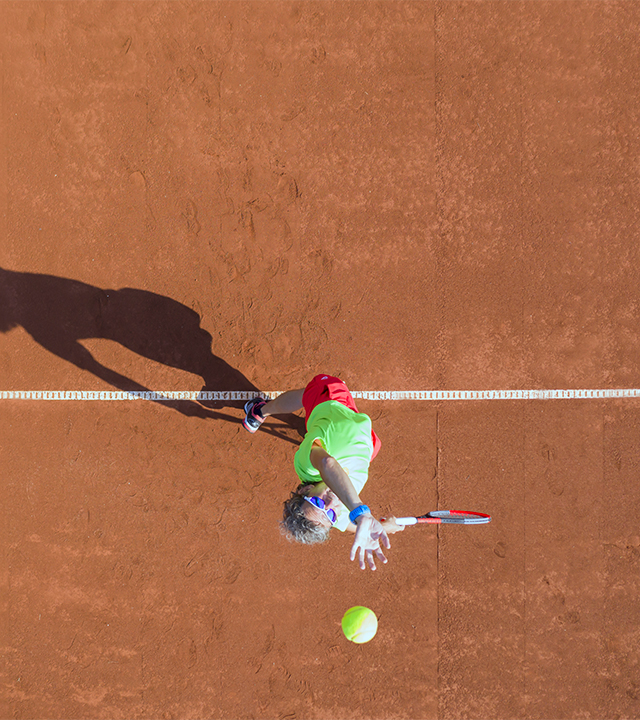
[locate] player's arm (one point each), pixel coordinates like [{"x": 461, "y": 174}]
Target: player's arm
[
  {"x": 369, "y": 531},
  {"x": 334, "y": 475}
]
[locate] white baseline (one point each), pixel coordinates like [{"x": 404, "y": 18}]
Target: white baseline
[{"x": 211, "y": 395}]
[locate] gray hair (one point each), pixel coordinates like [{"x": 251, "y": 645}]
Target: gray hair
[{"x": 295, "y": 525}]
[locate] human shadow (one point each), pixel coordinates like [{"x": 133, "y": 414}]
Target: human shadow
[{"x": 59, "y": 312}]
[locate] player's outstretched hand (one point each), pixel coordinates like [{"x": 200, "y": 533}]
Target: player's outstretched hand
[{"x": 369, "y": 534}]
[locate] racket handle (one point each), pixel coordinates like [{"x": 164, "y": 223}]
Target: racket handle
[{"x": 407, "y": 521}]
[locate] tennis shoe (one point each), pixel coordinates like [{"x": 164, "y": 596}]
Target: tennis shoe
[{"x": 253, "y": 417}]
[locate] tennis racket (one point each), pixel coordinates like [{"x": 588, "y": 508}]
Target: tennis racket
[{"x": 454, "y": 517}]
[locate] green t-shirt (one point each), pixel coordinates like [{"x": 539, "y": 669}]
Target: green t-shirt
[{"x": 346, "y": 436}]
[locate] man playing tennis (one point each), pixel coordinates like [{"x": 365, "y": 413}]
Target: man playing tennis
[{"x": 332, "y": 464}]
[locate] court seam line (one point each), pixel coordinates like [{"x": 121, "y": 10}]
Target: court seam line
[{"x": 220, "y": 395}]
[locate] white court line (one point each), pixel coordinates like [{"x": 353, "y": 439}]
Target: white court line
[{"x": 116, "y": 395}]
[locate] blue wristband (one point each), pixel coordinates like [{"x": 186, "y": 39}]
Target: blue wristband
[{"x": 356, "y": 512}]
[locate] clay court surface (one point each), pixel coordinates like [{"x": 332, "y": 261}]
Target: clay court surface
[{"x": 239, "y": 195}]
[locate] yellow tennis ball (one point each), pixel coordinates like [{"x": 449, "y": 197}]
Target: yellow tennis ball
[{"x": 359, "y": 624}]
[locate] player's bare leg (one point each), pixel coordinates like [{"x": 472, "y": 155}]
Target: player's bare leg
[
  {"x": 288, "y": 402},
  {"x": 257, "y": 410}
]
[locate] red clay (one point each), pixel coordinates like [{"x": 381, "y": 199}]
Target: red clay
[{"x": 408, "y": 195}]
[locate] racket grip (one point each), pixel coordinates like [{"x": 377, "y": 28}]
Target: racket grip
[{"x": 407, "y": 521}]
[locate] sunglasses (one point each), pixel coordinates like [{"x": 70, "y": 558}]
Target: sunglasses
[{"x": 320, "y": 504}]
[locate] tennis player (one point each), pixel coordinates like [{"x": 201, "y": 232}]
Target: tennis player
[{"x": 332, "y": 464}]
